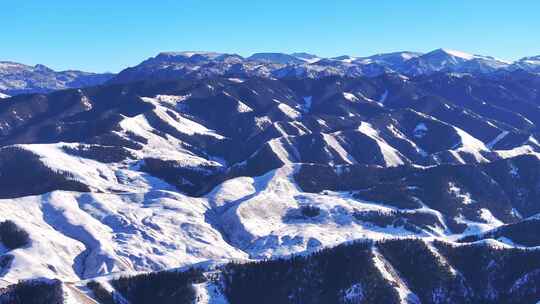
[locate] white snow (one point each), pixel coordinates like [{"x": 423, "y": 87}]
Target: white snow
[
  {"x": 420, "y": 130},
  {"x": 243, "y": 108},
  {"x": 135, "y": 223},
  {"x": 397, "y": 133},
  {"x": 288, "y": 111},
  {"x": 459, "y": 54},
  {"x": 497, "y": 139},
  {"x": 465, "y": 197},
  {"x": 489, "y": 223},
  {"x": 264, "y": 230},
  {"x": 387, "y": 271},
  {"x": 308, "y": 100},
  {"x": 383, "y": 97},
  {"x": 145, "y": 228},
  {"x": 469, "y": 145},
  {"x": 533, "y": 140},
  {"x": 170, "y": 147},
  {"x": 521, "y": 150},
  {"x": 470, "y": 142},
  {"x": 486, "y": 215},
  {"x": 516, "y": 213},
  {"x": 173, "y": 100},
  {"x": 76, "y": 235},
  {"x": 350, "y": 97},
  {"x": 391, "y": 156},
  {"x": 441, "y": 258},
  {"x": 354, "y": 294},
  {"x": 278, "y": 147},
  {"x": 514, "y": 171},
  {"x": 179, "y": 122},
  {"x": 74, "y": 295},
  {"x": 209, "y": 293},
  {"x": 2, "y": 96},
  {"x": 333, "y": 143},
  {"x": 98, "y": 175}
]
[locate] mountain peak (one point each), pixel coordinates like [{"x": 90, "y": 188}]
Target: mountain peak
[
  {"x": 43, "y": 68},
  {"x": 453, "y": 53},
  {"x": 189, "y": 54}
]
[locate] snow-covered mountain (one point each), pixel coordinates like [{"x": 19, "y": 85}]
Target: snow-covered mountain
[
  {"x": 16, "y": 78},
  {"x": 394, "y": 61},
  {"x": 384, "y": 189},
  {"x": 453, "y": 61},
  {"x": 278, "y": 58},
  {"x": 307, "y": 57},
  {"x": 304, "y": 65},
  {"x": 531, "y": 64}
]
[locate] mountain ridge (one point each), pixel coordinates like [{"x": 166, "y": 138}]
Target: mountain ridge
[
  {"x": 281, "y": 65},
  {"x": 17, "y": 78}
]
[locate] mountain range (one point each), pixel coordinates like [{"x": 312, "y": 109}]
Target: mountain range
[
  {"x": 200, "y": 177},
  {"x": 199, "y": 65},
  {"x": 19, "y": 78}
]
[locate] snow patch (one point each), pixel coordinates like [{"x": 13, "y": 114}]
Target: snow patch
[
  {"x": 497, "y": 139},
  {"x": 391, "y": 156},
  {"x": 420, "y": 130},
  {"x": 288, "y": 111},
  {"x": 169, "y": 99},
  {"x": 350, "y": 97},
  {"x": 332, "y": 142},
  {"x": 521, "y": 150},
  {"x": 308, "y": 100},
  {"x": 209, "y": 293},
  {"x": 354, "y": 294},
  {"x": 459, "y": 54},
  {"x": 388, "y": 273},
  {"x": 465, "y": 197},
  {"x": 469, "y": 145},
  {"x": 383, "y": 97}
]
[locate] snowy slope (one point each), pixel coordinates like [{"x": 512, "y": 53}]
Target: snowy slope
[
  {"x": 77, "y": 236},
  {"x": 94, "y": 234}
]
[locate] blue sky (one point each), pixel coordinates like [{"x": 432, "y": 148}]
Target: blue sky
[{"x": 109, "y": 35}]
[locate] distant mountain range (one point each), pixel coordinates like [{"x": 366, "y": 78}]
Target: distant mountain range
[
  {"x": 198, "y": 65},
  {"x": 18, "y": 78}
]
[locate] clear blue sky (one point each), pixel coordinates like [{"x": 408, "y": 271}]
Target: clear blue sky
[{"x": 101, "y": 35}]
